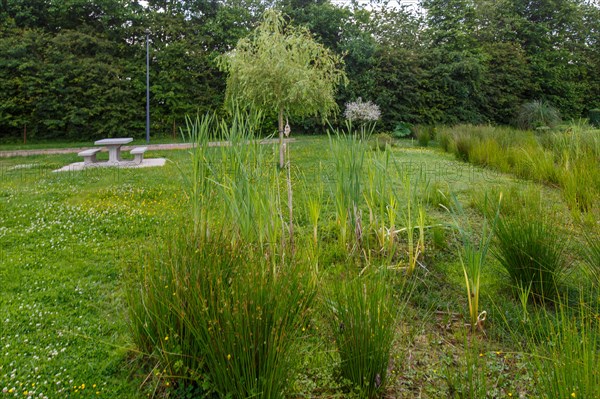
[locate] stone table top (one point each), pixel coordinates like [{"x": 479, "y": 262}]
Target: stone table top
[{"x": 114, "y": 141}]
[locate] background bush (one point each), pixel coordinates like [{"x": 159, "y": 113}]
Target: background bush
[{"x": 537, "y": 114}]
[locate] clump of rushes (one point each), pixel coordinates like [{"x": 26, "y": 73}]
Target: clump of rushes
[
  {"x": 363, "y": 322},
  {"x": 217, "y": 314},
  {"x": 536, "y": 114},
  {"x": 530, "y": 248},
  {"x": 157, "y": 296},
  {"x": 567, "y": 360},
  {"x": 249, "y": 320}
]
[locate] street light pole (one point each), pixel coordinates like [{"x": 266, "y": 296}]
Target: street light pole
[{"x": 147, "y": 87}]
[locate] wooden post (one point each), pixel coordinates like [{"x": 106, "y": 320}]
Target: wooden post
[
  {"x": 281, "y": 149},
  {"x": 25, "y": 134}
]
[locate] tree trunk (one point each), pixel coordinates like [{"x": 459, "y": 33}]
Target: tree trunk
[{"x": 281, "y": 149}]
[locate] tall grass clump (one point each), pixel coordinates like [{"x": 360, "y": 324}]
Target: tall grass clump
[
  {"x": 363, "y": 322},
  {"x": 424, "y": 134},
  {"x": 536, "y": 114},
  {"x": 156, "y": 294},
  {"x": 250, "y": 322},
  {"x": 530, "y": 247},
  {"x": 461, "y": 146},
  {"x": 218, "y": 311}
]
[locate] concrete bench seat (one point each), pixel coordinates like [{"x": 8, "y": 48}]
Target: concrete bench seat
[
  {"x": 138, "y": 153},
  {"x": 89, "y": 156}
]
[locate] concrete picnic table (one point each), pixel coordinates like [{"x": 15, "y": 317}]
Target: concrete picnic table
[{"x": 114, "y": 147}]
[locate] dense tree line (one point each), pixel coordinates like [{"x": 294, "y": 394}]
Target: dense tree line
[{"x": 75, "y": 69}]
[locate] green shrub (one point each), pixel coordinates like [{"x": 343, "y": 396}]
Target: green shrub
[
  {"x": 536, "y": 114},
  {"x": 363, "y": 321},
  {"x": 530, "y": 248},
  {"x": 401, "y": 130}
]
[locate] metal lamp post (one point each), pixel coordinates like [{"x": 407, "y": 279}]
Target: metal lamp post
[{"x": 147, "y": 87}]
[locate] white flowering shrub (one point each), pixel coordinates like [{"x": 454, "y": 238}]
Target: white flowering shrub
[
  {"x": 364, "y": 114},
  {"x": 361, "y": 111}
]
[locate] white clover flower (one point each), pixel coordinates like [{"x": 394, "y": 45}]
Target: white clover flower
[{"x": 362, "y": 111}]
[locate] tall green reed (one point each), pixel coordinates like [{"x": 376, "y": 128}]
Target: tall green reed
[
  {"x": 381, "y": 201},
  {"x": 414, "y": 217},
  {"x": 472, "y": 255},
  {"x": 249, "y": 189},
  {"x": 198, "y": 132},
  {"x": 348, "y": 151},
  {"x": 314, "y": 204}
]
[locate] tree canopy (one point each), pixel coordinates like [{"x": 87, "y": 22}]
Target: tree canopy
[
  {"x": 74, "y": 69},
  {"x": 280, "y": 67}
]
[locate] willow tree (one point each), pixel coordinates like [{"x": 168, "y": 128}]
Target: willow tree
[{"x": 281, "y": 68}]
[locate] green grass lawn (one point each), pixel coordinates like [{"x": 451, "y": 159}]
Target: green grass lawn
[{"x": 67, "y": 239}]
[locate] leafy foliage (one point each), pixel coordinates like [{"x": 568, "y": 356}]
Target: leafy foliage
[
  {"x": 301, "y": 81},
  {"x": 77, "y": 69}
]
